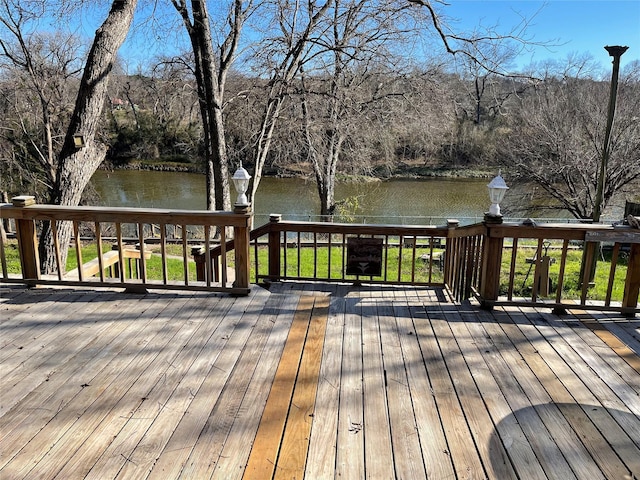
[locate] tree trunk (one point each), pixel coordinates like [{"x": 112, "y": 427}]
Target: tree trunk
[
  {"x": 221, "y": 166},
  {"x": 76, "y": 166},
  {"x": 263, "y": 144},
  {"x": 211, "y": 86},
  {"x": 325, "y": 171},
  {"x": 283, "y": 75}
]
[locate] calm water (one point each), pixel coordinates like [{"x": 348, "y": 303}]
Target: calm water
[{"x": 395, "y": 201}]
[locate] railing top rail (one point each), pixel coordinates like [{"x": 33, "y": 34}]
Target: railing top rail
[
  {"x": 322, "y": 227},
  {"x": 569, "y": 231},
  {"x": 468, "y": 230},
  {"x": 124, "y": 215}
]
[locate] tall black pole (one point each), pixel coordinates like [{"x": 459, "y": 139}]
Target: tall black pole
[{"x": 615, "y": 52}]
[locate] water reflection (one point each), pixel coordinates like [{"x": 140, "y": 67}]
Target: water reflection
[{"x": 422, "y": 201}]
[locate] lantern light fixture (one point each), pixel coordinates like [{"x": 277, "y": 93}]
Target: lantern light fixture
[
  {"x": 241, "y": 183},
  {"x": 497, "y": 189}
]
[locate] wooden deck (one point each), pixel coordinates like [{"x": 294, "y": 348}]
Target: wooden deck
[{"x": 313, "y": 381}]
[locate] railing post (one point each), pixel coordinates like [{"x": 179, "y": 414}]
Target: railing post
[
  {"x": 27, "y": 241},
  {"x": 274, "y": 248},
  {"x": 200, "y": 261},
  {"x": 632, "y": 283},
  {"x": 452, "y": 224},
  {"x": 241, "y": 243},
  {"x": 490, "y": 273}
]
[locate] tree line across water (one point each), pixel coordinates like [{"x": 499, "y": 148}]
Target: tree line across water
[{"x": 431, "y": 122}]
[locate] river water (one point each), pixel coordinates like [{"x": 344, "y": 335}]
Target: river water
[{"x": 404, "y": 202}]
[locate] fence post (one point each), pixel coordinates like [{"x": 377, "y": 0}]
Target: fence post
[
  {"x": 27, "y": 241},
  {"x": 274, "y": 248},
  {"x": 449, "y": 256},
  {"x": 241, "y": 244},
  {"x": 200, "y": 261},
  {"x": 632, "y": 283},
  {"x": 490, "y": 273}
]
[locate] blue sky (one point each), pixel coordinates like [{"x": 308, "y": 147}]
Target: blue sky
[{"x": 572, "y": 26}]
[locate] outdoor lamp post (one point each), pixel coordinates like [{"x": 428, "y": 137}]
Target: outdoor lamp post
[
  {"x": 497, "y": 189},
  {"x": 241, "y": 183}
]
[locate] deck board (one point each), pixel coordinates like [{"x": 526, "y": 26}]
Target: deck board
[
  {"x": 466, "y": 461},
  {"x": 594, "y": 448},
  {"x": 379, "y": 451},
  {"x": 471, "y": 400},
  {"x": 404, "y": 428},
  {"x": 321, "y": 456},
  {"x": 233, "y": 458},
  {"x": 209, "y": 381},
  {"x": 350, "y": 437},
  {"x": 266, "y": 447},
  {"x": 388, "y": 382}
]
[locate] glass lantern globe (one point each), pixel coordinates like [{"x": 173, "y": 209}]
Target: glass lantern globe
[
  {"x": 241, "y": 183},
  {"x": 497, "y": 189}
]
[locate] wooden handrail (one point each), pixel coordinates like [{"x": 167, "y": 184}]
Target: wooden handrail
[
  {"x": 489, "y": 286},
  {"x": 469, "y": 260},
  {"x": 276, "y": 231},
  {"x": 472, "y": 261},
  {"x": 27, "y": 214},
  {"x": 124, "y": 215}
]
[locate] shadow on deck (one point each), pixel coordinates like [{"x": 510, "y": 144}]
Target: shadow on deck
[{"x": 315, "y": 381}]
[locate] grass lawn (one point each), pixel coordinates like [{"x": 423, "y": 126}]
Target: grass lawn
[
  {"x": 328, "y": 263},
  {"x": 524, "y": 274},
  {"x": 175, "y": 269}
]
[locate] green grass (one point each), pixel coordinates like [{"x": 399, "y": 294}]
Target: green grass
[
  {"x": 12, "y": 256},
  {"x": 175, "y": 266},
  {"x": 329, "y": 264},
  {"x": 571, "y": 289},
  {"x": 175, "y": 269},
  {"x": 523, "y": 279}
]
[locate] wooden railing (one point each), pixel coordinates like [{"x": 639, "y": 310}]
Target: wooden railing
[
  {"x": 465, "y": 254},
  {"x": 171, "y": 269},
  {"x": 497, "y": 263},
  {"x": 407, "y": 255},
  {"x": 547, "y": 265}
]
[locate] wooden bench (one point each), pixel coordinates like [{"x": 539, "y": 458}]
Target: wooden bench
[
  {"x": 437, "y": 259},
  {"x": 422, "y": 242},
  {"x": 110, "y": 260},
  {"x": 92, "y": 267}
]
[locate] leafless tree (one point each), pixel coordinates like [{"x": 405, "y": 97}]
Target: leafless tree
[
  {"x": 212, "y": 64},
  {"x": 42, "y": 69},
  {"x": 281, "y": 57},
  {"x": 70, "y": 168},
  {"x": 352, "y": 71},
  {"x": 555, "y": 140}
]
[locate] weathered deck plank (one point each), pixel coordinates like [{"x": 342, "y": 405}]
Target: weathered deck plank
[
  {"x": 233, "y": 458},
  {"x": 466, "y": 461},
  {"x": 208, "y": 385},
  {"x": 350, "y": 442},
  {"x": 104, "y": 405},
  {"x": 573, "y": 396},
  {"x": 560, "y": 402},
  {"x": 491, "y": 453},
  {"x": 407, "y": 452},
  {"x": 321, "y": 457},
  {"x": 409, "y": 385},
  {"x": 379, "y": 451},
  {"x": 68, "y": 381}
]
